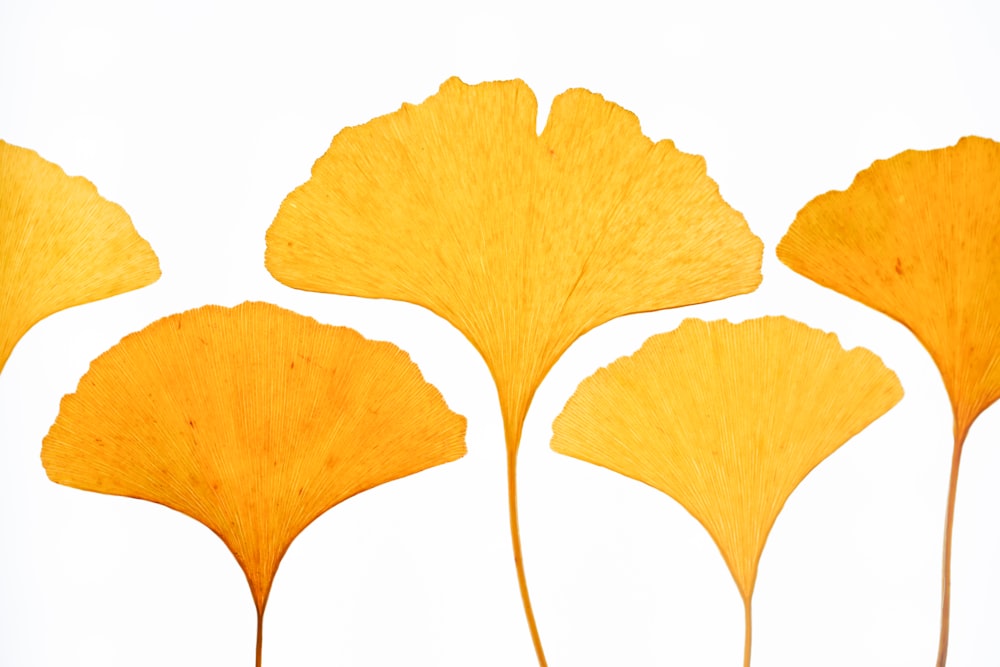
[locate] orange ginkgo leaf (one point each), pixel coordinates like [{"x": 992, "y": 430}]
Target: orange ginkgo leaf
[
  {"x": 917, "y": 237},
  {"x": 727, "y": 419},
  {"x": 61, "y": 244},
  {"x": 522, "y": 241},
  {"x": 253, "y": 420}
]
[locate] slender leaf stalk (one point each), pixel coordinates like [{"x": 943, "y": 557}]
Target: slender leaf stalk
[
  {"x": 515, "y": 537},
  {"x": 949, "y": 520},
  {"x": 748, "y": 631},
  {"x": 260, "y": 634}
]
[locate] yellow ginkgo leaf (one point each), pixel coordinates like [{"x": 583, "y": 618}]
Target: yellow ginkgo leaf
[
  {"x": 61, "y": 244},
  {"x": 727, "y": 419},
  {"x": 522, "y": 241},
  {"x": 917, "y": 237},
  {"x": 253, "y": 420}
]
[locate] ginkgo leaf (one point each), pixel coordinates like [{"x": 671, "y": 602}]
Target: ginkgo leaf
[
  {"x": 727, "y": 419},
  {"x": 61, "y": 244},
  {"x": 252, "y": 420},
  {"x": 522, "y": 241},
  {"x": 917, "y": 237}
]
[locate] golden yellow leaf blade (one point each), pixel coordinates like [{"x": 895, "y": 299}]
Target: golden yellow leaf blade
[
  {"x": 523, "y": 242},
  {"x": 917, "y": 237},
  {"x": 252, "y": 420},
  {"x": 727, "y": 419},
  {"x": 61, "y": 244}
]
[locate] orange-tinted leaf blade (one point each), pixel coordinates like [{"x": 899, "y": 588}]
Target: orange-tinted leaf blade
[
  {"x": 252, "y": 420},
  {"x": 917, "y": 237}
]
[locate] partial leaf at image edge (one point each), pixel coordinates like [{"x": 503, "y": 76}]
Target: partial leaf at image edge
[
  {"x": 61, "y": 244},
  {"x": 917, "y": 237}
]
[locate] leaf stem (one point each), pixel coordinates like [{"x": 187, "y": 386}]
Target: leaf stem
[
  {"x": 515, "y": 537},
  {"x": 949, "y": 519},
  {"x": 748, "y": 626},
  {"x": 260, "y": 634}
]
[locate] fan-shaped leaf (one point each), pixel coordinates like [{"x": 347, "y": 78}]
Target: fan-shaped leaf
[
  {"x": 523, "y": 242},
  {"x": 727, "y": 419},
  {"x": 252, "y": 420}
]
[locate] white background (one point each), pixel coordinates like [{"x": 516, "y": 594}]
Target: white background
[{"x": 199, "y": 118}]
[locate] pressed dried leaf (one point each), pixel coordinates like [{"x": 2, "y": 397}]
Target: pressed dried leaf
[
  {"x": 727, "y": 419},
  {"x": 523, "y": 242},
  {"x": 61, "y": 244},
  {"x": 917, "y": 237},
  {"x": 252, "y": 420}
]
